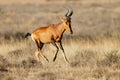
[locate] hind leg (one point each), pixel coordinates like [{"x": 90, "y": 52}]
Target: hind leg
[{"x": 38, "y": 52}]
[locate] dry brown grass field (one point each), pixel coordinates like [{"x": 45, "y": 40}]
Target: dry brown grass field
[{"x": 93, "y": 50}]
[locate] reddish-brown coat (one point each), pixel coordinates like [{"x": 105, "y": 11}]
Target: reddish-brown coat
[{"x": 47, "y": 33}]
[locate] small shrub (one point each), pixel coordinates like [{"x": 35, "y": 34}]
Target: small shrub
[
  {"x": 111, "y": 58},
  {"x": 84, "y": 58}
]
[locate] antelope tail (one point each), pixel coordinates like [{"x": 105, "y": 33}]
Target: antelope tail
[{"x": 28, "y": 34}]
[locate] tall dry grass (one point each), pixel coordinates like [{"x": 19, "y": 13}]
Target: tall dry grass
[{"x": 90, "y": 58}]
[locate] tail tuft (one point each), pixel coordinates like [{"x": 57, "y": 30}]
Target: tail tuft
[{"x": 28, "y": 34}]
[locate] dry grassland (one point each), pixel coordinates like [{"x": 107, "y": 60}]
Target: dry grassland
[{"x": 93, "y": 50}]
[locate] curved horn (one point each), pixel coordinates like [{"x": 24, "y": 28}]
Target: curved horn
[
  {"x": 66, "y": 15},
  {"x": 69, "y": 12}
]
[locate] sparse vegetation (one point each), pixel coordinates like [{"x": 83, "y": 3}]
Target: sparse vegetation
[{"x": 93, "y": 50}]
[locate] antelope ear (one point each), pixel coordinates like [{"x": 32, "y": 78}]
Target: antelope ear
[{"x": 62, "y": 19}]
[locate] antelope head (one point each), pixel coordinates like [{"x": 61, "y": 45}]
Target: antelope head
[{"x": 67, "y": 21}]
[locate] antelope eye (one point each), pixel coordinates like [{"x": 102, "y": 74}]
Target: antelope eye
[{"x": 67, "y": 23}]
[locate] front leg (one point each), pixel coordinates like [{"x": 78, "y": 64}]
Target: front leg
[
  {"x": 54, "y": 44},
  {"x": 61, "y": 47}
]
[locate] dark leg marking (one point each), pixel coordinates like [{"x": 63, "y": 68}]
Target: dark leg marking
[
  {"x": 61, "y": 47},
  {"x": 54, "y": 44},
  {"x": 40, "y": 46}
]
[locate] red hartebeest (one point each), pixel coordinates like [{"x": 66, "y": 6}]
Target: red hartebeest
[{"x": 52, "y": 34}]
